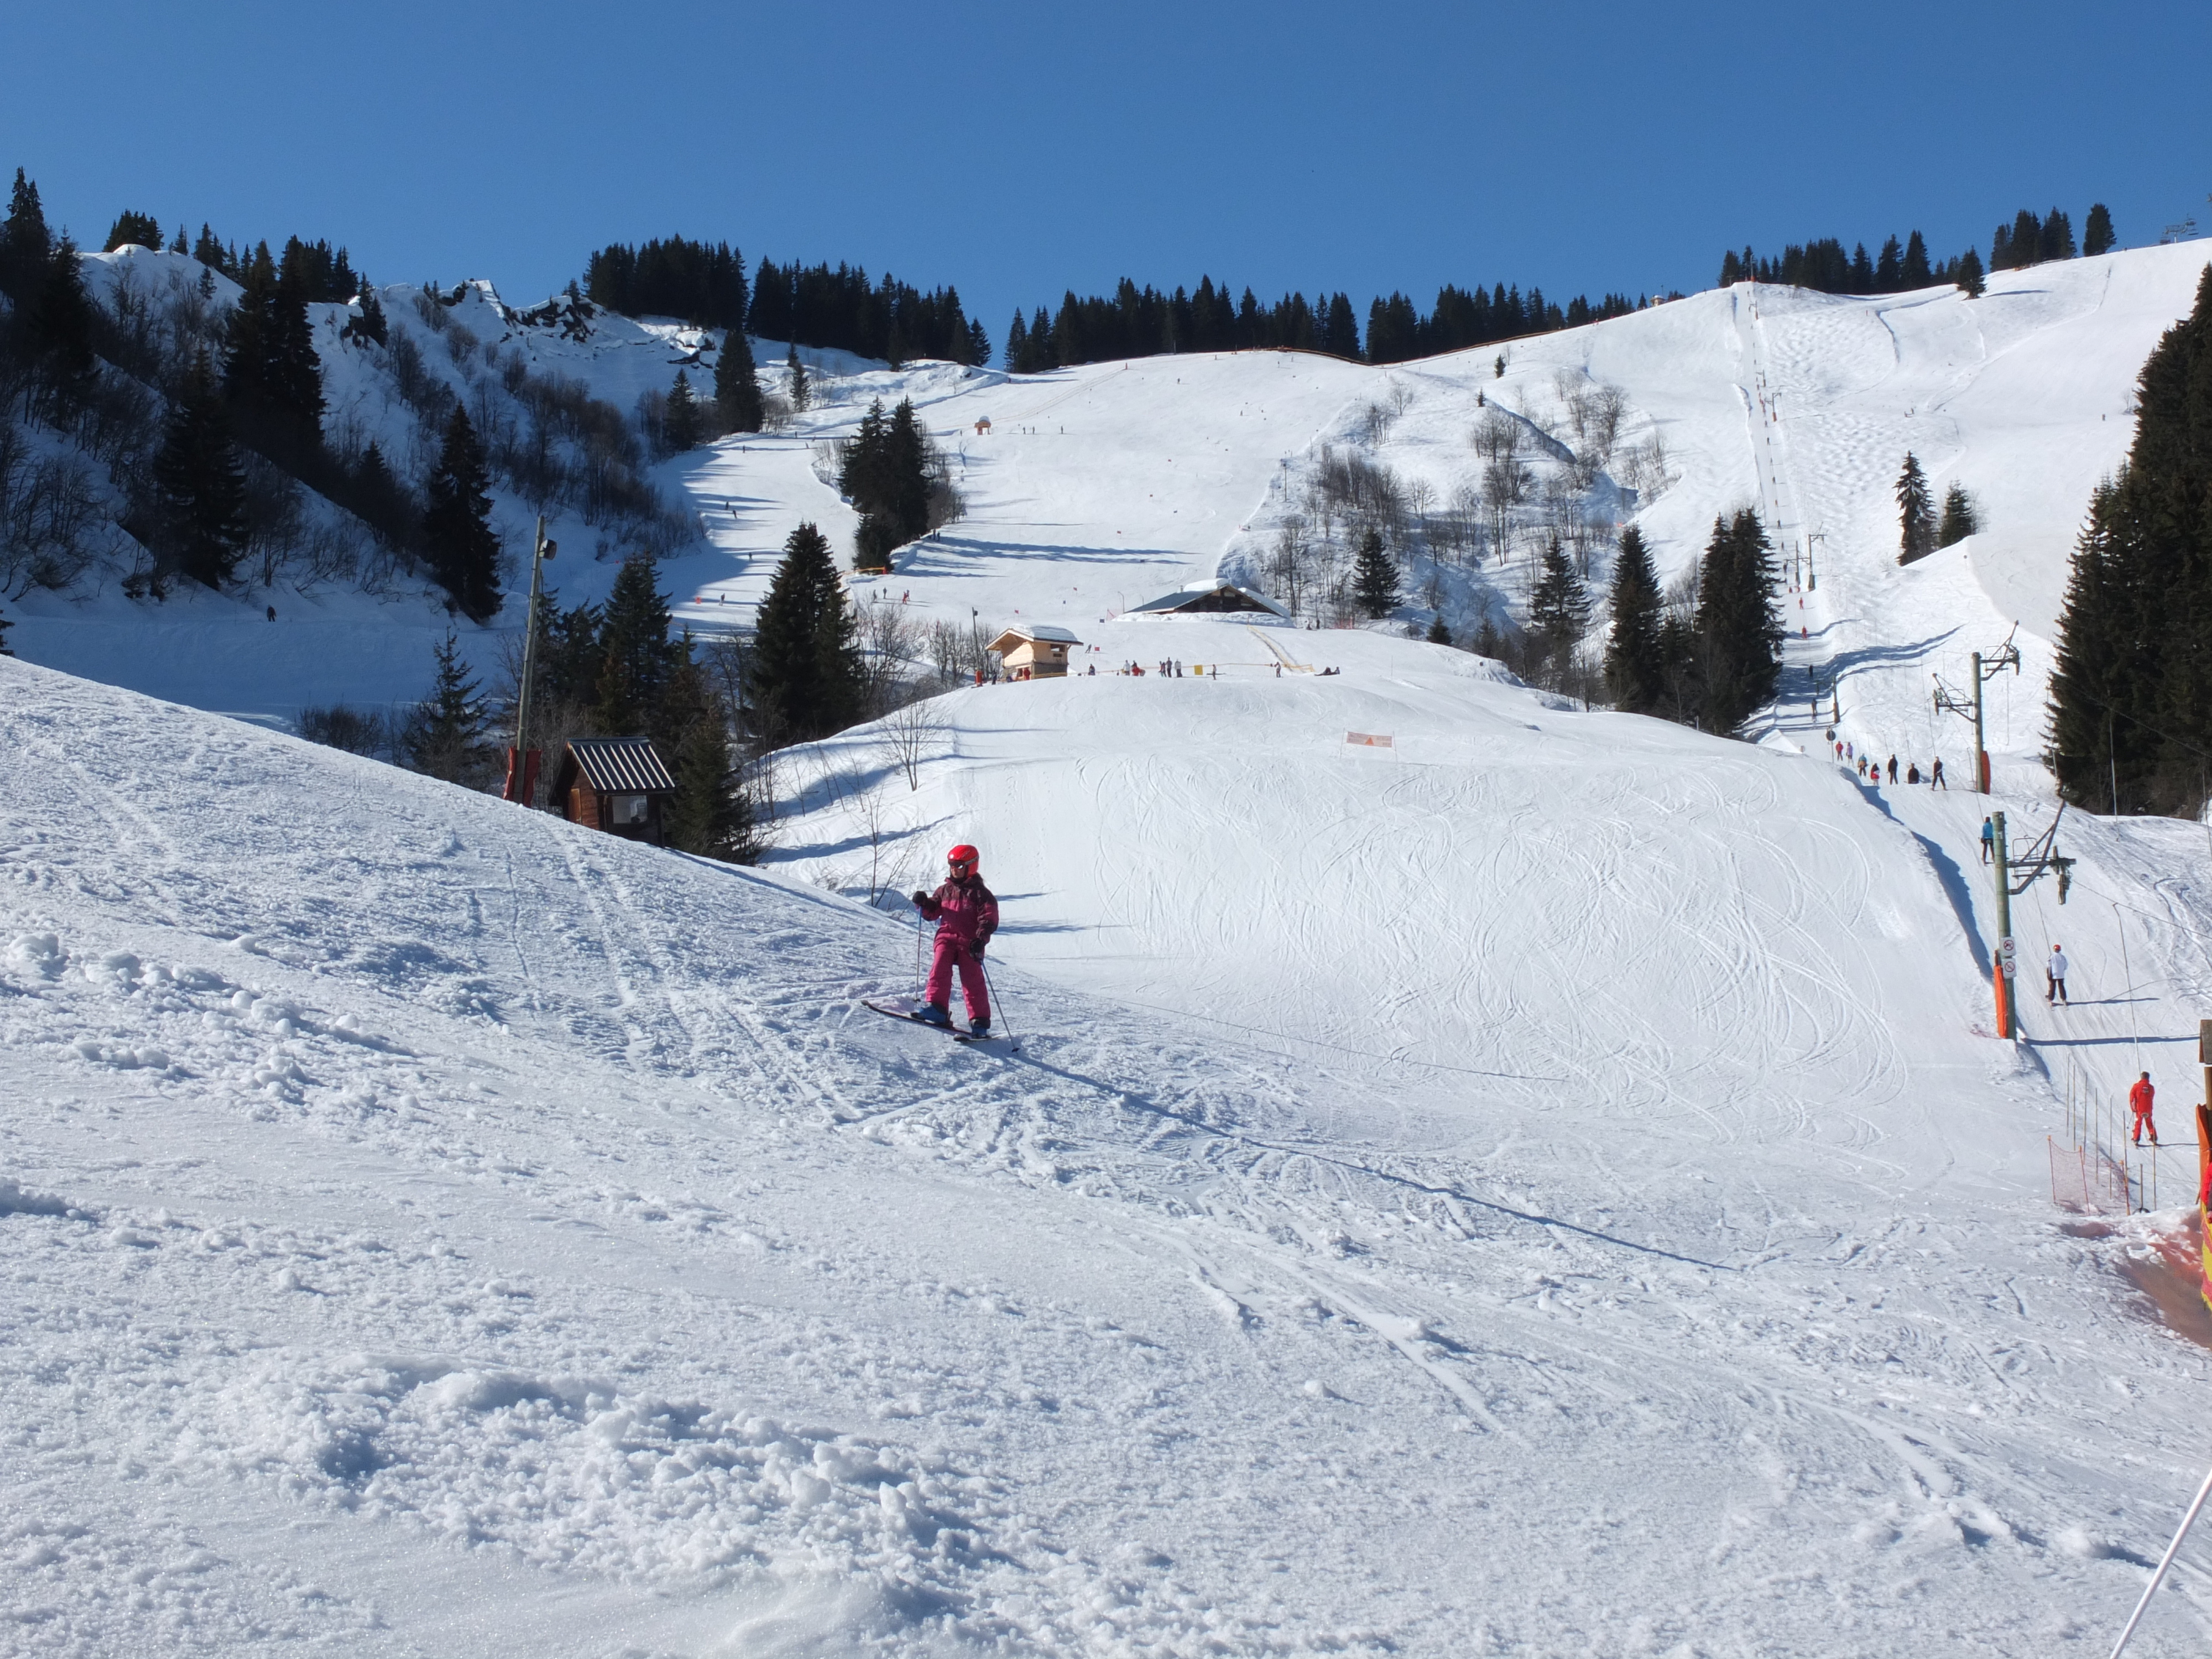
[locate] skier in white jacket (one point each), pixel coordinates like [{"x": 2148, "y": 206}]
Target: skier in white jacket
[{"x": 2055, "y": 972}]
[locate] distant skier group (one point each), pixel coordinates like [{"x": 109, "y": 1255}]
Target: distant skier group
[{"x": 1871, "y": 770}]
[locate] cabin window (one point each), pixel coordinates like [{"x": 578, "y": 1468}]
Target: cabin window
[{"x": 627, "y": 809}]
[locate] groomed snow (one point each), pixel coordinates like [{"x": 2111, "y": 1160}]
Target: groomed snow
[
  {"x": 435, "y": 1227},
  {"x": 1545, "y": 1186}
]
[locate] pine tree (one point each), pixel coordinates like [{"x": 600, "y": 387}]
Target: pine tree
[
  {"x": 1632, "y": 659},
  {"x": 638, "y": 662},
  {"x": 679, "y": 424},
  {"x": 1375, "y": 575},
  {"x": 712, "y": 815},
  {"x": 2131, "y": 698},
  {"x": 199, "y": 484},
  {"x": 860, "y": 468},
  {"x": 2097, "y": 231},
  {"x": 805, "y": 677},
  {"x": 25, "y": 241},
  {"x": 1914, "y": 271},
  {"x": 2026, "y": 241},
  {"x": 61, "y": 329},
  {"x": 798, "y": 373},
  {"x": 1959, "y": 520},
  {"x": 132, "y": 230},
  {"x": 1017, "y": 345},
  {"x": 457, "y": 533},
  {"x": 296, "y": 374},
  {"x": 979, "y": 344},
  {"x": 378, "y": 500},
  {"x": 209, "y": 251},
  {"x": 445, "y": 736},
  {"x": 181, "y": 246},
  {"x": 1969, "y": 274},
  {"x": 1916, "y": 516},
  {"x": 1559, "y": 606},
  {"x": 737, "y": 385},
  {"x": 1889, "y": 269},
  {"x": 884, "y": 473},
  {"x": 271, "y": 370},
  {"x": 569, "y": 656},
  {"x": 370, "y": 323},
  {"x": 250, "y": 336},
  {"x": 1340, "y": 333},
  {"x": 1739, "y": 634},
  {"x": 2058, "y": 236},
  {"x": 2103, "y": 670},
  {"x": 906, "y": 473},
  {"x": 1438, "y": 633}
]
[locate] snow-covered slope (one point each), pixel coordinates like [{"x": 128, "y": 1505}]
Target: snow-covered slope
[
  {"x": 1544, "y": 1187},
  {"x": 433, "y": 1228}
]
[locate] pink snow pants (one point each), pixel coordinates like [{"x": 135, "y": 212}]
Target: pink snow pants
[{"x": 973, "y": 988}]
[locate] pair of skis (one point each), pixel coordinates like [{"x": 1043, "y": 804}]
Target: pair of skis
[{"x": 910, "y": 1011}]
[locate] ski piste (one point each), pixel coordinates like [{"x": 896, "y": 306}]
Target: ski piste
[{"x": 911, "y": 1015}]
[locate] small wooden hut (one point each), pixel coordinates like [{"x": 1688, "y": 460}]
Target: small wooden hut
[
  {"x": 1036, "y": 652},
  {"x": 619, "y": 785}
]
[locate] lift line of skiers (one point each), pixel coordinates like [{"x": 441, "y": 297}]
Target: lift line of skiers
[{"x": 1871, "y": 770}]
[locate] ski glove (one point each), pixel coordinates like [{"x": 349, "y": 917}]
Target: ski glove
[{"x": 921, "y": 898}]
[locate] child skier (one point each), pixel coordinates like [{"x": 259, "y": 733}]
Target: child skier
[{"x": 966, "y": 913}]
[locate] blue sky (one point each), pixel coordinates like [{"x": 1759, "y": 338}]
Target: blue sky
[{"x": 1019, "y": 151}]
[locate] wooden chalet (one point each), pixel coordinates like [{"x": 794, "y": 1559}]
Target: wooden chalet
[
  {"x": 620, "y": 785},
  {"x": 1036, "y": 652}
]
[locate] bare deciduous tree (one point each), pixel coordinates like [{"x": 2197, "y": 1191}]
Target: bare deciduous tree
[{"x": 910, "y": 736}]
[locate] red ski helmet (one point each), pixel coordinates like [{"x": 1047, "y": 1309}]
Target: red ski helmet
[{"x": 963, "y": 857}]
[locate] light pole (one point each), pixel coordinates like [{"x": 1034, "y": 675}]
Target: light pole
[{"x": 521, "y": 763}]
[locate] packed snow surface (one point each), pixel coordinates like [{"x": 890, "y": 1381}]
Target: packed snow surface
[
  {"x": 1543, "y": 1185},
  {"x": 431, "y": 1227}
]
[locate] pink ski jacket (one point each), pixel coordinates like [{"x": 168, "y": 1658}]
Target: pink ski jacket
[{"x": 965, "y": 911}]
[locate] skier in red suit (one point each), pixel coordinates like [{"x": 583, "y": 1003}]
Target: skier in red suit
[{"x": 2140, "y": 1097}]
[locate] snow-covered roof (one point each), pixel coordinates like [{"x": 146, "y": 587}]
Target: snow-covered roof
[
  {"x": 1222, "y": 596},
  {"x": 1044, "y": 632}
]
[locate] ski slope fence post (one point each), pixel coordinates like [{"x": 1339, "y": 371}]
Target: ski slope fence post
[{"x": 2166, "y": 1561}]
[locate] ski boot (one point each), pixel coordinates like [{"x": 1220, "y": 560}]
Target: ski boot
[
  {"x": 935, "y": 1013},
  {"x": 980, "y": 1026}
]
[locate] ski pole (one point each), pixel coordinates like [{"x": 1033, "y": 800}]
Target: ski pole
[
  {"x": 999, "y": 1003},
  {"x": 2159, "y": 1577}
]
